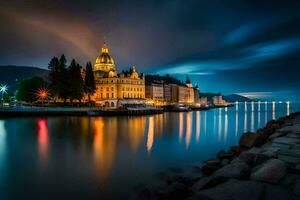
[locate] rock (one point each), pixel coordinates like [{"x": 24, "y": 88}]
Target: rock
[
  {"x": 261, "y": 158},
  {"x": 293, "y": 135},
  {"x": 290, "y": 129},
  {"x": 236, "y": 149},
  {"x": 290, "y": 152},
  {"x": 248, "y": 139},
  {"x": 210, "y": 167},
  {"x": 286, "y": 140},
  {"x": 277, "y": 134},
  {"x": 207, "y": 182},
  {"x": 289, "y": 159},
  {"x": 225, "y": 162},
  {"x": 182, "y": 179},
  {"x": 268, "y": 131},
  {"x": 296, "y": 188},
  {"x": 271, "y": 171},
  {"x": 145, "y": 194},
  {"x": 233, "y": 170},
  {"x": 198, "y": 196},
  {"x": 235, "y": 190},
  {"x": 270, "y": 152},
  {"x": 248, "y": 158},
  {"x": 225, "y": 155},
  {"x": 251, "y": 139},
  {"x": 176, "y": 191},
  {"x": 272, "y": 192}
]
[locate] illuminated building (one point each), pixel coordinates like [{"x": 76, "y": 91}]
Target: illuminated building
[
  {"x": 155, "y": 92},
  {"x": 218, "y": 100},
  {"x": 115, "y": 90}
]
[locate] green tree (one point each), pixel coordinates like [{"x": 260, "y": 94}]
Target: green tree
[
  {"x": 89, "y": 81},
  {"x": 8, "y": 97},
  {"x": 28, "y": 87},
  {"x": 76, "y": 89}
]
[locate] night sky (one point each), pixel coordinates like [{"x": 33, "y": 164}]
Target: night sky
[{"x": 231, "y": 46}]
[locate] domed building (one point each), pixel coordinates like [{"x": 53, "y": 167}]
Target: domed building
[{"x": 115, "y": 90}]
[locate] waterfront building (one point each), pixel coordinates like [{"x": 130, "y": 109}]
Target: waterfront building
[
  {"x": 155, "y": 92},
  {"x": 218, "y": 100},
  {"x": 203, "y": 101},
  {"x": 113, "y": 89},
  {"x": 167, "y": 93}
]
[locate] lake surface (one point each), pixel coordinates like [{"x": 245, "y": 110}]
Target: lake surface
[{"x": 92, "y": 157}]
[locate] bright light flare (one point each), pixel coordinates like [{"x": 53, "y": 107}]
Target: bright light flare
[
  {"x": 3, "y": 89},
  {"x": 42, "y": 93}
]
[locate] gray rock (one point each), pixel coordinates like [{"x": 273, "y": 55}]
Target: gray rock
[
  {"x": 208, "y": 182},
  {"x": 248, "y": 158},
  {"x": 236, "y": 169},
  {"x": 199, "y": 185},
  {"x": 290, "y": 152},
  {"x": 290, "y": 129},
  {"x": 289, "y": 159},
  {"x": 286, "y": 140},
  {"x": 235, "y": 190},
  {"x": 293, "y": 135},
  {"x": 272, "y": 192},
  {"x": 277, "y": 134},
  {"x": 225, "y": 162},
  {"x": 296, "y": 188},
  {"x": 176, "y": 191},
  {"x": 271, "y": 171}
]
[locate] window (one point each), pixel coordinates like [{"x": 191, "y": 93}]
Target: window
[
  {"x": 107, "y": 89},
  {"x": 112, "y": 95},
  {"x": 112, "y": 88},
  {"x": 107, "y": 95}
]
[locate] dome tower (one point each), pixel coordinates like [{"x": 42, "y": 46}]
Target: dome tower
[{"x": 104, "y": 62}]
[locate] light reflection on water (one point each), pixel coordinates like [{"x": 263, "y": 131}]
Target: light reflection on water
[{"x": 108, "y": 156}]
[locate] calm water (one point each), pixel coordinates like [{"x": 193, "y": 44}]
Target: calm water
[{"x": 82, "y": 157}]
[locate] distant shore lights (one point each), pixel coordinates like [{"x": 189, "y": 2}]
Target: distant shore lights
[{"x": 287, "y": 108}]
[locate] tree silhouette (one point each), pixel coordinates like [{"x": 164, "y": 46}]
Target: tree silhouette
[
  {"x": 76, "y": 89},
  {"x": 89, "y": 80}
]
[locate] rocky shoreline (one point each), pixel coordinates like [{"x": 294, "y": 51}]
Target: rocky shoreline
[{"x": 264, "y": 166}]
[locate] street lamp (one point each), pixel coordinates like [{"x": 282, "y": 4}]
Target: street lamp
[{"x": 42, "y": 94}]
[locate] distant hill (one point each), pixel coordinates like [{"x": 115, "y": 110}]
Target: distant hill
[
  {"x": 235, "y": 97},
  {"x": 12, "y": 75}
]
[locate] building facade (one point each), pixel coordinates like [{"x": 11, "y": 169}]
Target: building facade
[{"x": 115, "y": 90}]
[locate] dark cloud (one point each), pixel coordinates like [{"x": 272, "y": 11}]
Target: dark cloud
[{"x": 218, "y": 41}]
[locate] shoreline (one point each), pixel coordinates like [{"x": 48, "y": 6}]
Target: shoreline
[
  {"x": 264, "y": 165},
  {"x": 85, "y": 111}
]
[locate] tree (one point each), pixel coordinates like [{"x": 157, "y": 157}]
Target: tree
[
  {"x": 53, "y": 76},
  {"x": 27, "y": 88},
  {"x": 63, "y": 79},
  {"x": 76, "y": 89},
  {"x": 89, "y": 81},
  {"x": 8, "y": 97}
]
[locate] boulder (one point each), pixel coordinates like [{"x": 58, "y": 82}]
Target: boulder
[
  {"x": 286, "y": 140},
  {"x": 237, "y": 169},
  {"x": 277, "y": 134},
  {"x": 176, "y": 191},
  {"x": 236, "y": 149},
  {"x": 296, "y": 188},
  {"x": 210, "y": 166},
  {"x": 277, "y": 192},
  {"x": 235, "y": 190},
  {"x": 271, "y": 171},
  {"x": 225, "y": 155},
  {"x": 208, "y": 182},
  {"x": 248, "y": 158},
  {"x": 250, "y": 139},
  {"x": 289, "y": 159}
]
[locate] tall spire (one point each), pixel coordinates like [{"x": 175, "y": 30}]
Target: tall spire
[{"x": 104, "y": 48}]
